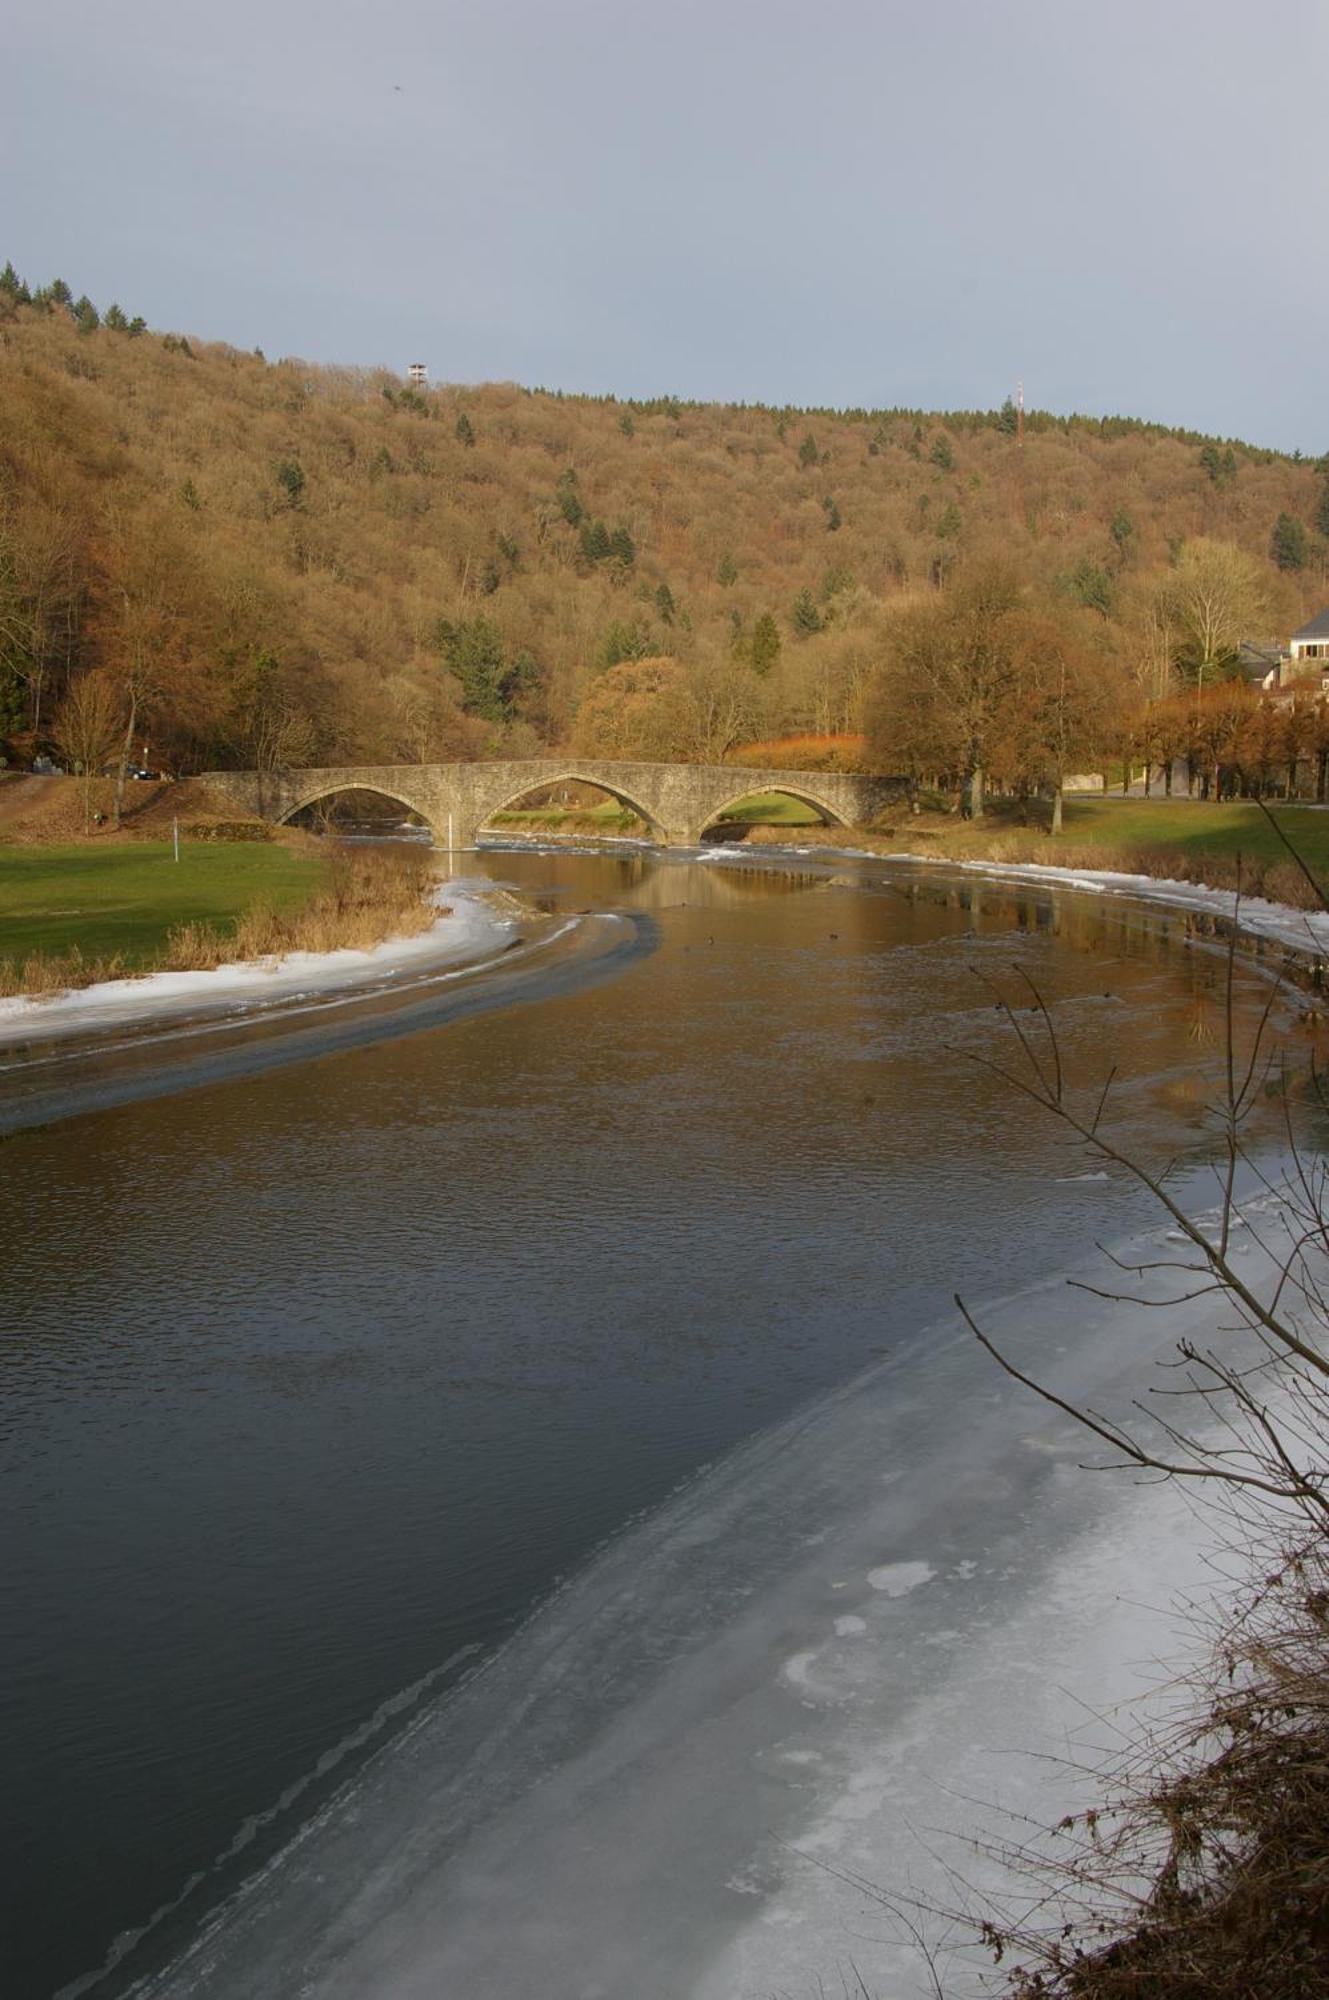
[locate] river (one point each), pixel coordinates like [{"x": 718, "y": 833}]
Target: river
[{"x": 323, "y": 1372}]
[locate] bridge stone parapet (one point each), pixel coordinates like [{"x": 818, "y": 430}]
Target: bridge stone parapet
[{"x": 677, "y": 801}]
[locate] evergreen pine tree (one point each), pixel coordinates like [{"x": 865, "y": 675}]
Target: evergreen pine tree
[
  {"x": 726, "y": 573},
  {"x": 290, "y": 477},
  {"x": 1289, "y": 544},
  {"x": 1090, "y": 586},
  {"x": 474, "y": 652},
  {"x": 805, "y": 617},
  {"x": 765, "y": 648},
  {"x": 807, "y": 451},
  {"x": 595, "y": 543},
  {"x": 569, "y": 500},
  {"x": 465, "y": 429}
]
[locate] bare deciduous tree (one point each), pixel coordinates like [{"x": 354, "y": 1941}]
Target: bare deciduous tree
[
  {"x": 87, "y": 727},
  {"x": 1218, "y": 595}
]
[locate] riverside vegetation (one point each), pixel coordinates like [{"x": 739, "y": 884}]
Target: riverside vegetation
[
  {"x": 76, "y": 916},
  {"x": 1203, "y": 1871}
]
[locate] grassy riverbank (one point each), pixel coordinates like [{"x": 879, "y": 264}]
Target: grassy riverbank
[
  {"x": 598, "y": 822},
  {"x": 74, "y": 915},
  {"x": 1170, "y": 840},
  {"x": 611, "y": 818}
]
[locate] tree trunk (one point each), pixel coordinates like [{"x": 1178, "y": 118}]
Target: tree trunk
[
  {"x": 976, "y": 792},
  {"x": 1056, "y": 810},
  {"x": 123, "y": 765},
  {"x": 1167, "y": 779},
  {"x": 1148, "y": 778}
]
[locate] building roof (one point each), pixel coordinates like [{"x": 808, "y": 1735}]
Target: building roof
[
  {"x": 1255, "y": 661},
  {"x": 1318, "y": 627}
]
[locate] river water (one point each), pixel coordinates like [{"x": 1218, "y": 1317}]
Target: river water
[{"x": 322, "y": 1372}]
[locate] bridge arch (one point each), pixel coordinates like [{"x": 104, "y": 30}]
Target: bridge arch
[
  {"x": 572, "y": 776},
  {"x": 335, "y": 791},
  {"x": 831, "y": 815}
]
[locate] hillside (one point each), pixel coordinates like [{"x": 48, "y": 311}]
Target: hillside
[{"x": 278, "y": 562}]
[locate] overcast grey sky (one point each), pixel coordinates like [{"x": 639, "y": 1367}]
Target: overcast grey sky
[{"x": 836, "y": 201}]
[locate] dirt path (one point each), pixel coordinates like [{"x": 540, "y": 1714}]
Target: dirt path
[{"x": 24, "y": 797}]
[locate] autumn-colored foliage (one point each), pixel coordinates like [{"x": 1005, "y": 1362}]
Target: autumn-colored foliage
[
  {"x": 831, "y": 752},
  {"x": 270, "y": 562}
]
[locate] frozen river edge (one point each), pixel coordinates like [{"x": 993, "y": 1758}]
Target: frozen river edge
[
  {"x": 468, "y": 929},
  {"x": 1304, "y": 933},
  {"x": 830, "y": 1661}
]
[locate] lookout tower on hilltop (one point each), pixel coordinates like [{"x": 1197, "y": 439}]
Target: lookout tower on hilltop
[{"x": 419, "y": 375}]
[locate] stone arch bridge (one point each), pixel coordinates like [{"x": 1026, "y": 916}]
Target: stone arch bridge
[{"x": 677, "y": 801}]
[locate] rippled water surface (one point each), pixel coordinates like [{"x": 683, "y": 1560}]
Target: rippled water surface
[{"x": 317, "y": 1378}]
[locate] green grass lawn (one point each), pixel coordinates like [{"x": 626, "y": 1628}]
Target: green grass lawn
[
  {"x": 1196, "y": 828},
  {"x": 124, "y": 900},
  {"x": 759, "y": 809},
  {"x": 771, "y": 809}
]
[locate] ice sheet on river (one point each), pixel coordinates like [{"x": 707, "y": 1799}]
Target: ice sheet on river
[
  {"x": 798, "y": 1676},
  {"x": 1305, "y": 932}
]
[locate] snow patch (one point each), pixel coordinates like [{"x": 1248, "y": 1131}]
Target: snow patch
[
  {"x": 1302, "y": 930},
  {"x": 898, "y": 1579},
  {"x": 798, "y": 1669},
  {"x": 470, "y": 931}
]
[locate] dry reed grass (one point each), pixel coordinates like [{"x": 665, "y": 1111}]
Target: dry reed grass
[
  {"x": 1206, "y": 1875},
  {"x": 45, "y": 973},
  {"x": 371, "y": 895}
]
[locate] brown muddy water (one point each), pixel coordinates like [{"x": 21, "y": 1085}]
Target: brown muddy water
[{"x": 326, "y": 1363}]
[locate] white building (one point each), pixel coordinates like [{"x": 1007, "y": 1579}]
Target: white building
[{"x": 1311, "y": 644}]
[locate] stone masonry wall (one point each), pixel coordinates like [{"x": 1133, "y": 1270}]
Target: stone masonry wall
[{"x": 678, "y": 801}]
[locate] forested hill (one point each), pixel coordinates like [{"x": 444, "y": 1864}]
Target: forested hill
[{"x": 276, "y": 560}]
